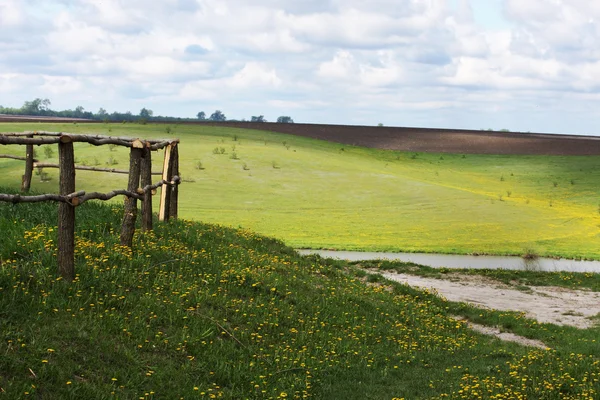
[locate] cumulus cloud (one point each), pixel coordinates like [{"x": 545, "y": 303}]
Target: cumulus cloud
[{"x": 413, "y": 62}]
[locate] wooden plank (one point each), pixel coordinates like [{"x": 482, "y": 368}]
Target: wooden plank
[
  {"x": 66, "y": 213},
  {"x": 163, "y": 210}
]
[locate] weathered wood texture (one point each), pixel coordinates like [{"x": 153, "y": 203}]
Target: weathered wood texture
[
  {"x": 16, "y": 157},
  {"x": 128, "y": 227},
  {"x": 86, "y": 168},
  {"x": 96, "y": 140},
  {"x": 163, "y": 210},
  {"x": 26, "y": 181},
  {"x": 146, "y": 180},
  {"x": 174, "y": 189},
  {"x": 66, "y": 213}
]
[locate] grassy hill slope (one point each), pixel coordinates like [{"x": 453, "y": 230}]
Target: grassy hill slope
[
  {"x": 318, "y": 194},
  {"x": 200, "y": 311}
]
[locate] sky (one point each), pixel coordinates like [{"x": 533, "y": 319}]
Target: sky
[{"x": 523, "y": 65}]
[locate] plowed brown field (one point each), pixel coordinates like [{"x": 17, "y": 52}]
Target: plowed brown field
[{"x": 410, "y": 139}]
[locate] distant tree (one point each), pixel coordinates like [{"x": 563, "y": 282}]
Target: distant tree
[
  {"x": 218, "y": 116},
  {"x": 380, "y": 124},
  {"x": 101, "y": 114},
  {"x": 285, "y": 120},
  {"x": 260, "y": 118},
  {"x": 36, "y": 107},
  {"x": 504, "y": 130},
  {"x": 79, "y": 111},
  {"x": 201, "y": 116},
  {"x": 145, "y": 113}
]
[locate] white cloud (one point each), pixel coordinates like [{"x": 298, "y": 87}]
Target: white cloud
[{"x": 329, "y": 60}]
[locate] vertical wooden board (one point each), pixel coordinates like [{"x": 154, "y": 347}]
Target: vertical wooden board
[
  {"x": 66, "y": 212},
  {"x": 163, "y": 211}
]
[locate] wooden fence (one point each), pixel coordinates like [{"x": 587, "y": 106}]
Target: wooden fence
[{"x": 139, "y": 187}]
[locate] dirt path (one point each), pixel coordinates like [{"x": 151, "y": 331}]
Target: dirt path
[{"x": 553, "y": 305}]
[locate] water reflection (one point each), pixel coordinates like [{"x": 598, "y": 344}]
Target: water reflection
[{"x": 463, "y": 261}]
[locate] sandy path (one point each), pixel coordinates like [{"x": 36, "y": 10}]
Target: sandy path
[{"x": 553, "y": 305}]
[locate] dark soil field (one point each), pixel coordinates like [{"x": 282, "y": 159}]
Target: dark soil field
[
  {"x": 437, "y": 140},
  {"x": 408, "y": 139}
]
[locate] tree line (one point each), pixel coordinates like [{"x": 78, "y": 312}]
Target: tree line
[{"x": 41, "y": 107}]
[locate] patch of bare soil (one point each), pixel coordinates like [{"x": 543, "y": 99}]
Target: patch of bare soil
[{"x": 553, "y": 305}]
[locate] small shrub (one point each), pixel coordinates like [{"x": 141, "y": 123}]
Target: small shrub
[
  {"x": 413, "y": 157},
  {"x": 234, "y": 156},
  {"x": 464, "y": 156},
  {"x": 112, "y": 147},
  {"x": 572, "y": 181},
  {"x": 527, "y": 201},
  {"x": 555, "y": 183},
  {"x": 500, "y": 197},
  {"x": 235, "y": 138},
  {"x": 276, "y": 165},
  {"x": 96, "y": 162},
  {"x": 48, "y": 151},
  {"x": 508, "y": 193},
  {"x": 199, "y": 165},
  {"x": 221, "y": 150},
  {"x": 441, "y": 157},
  {"x": 111, "y": 161},
  {"x": 245, "y": 167},
  {"x": 551, "y": 203},
  {"x": 168, "y": 130},
  {"x": 216, "y": 150},
  {"x": 502, "y": 178}
]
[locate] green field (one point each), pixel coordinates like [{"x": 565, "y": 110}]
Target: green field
[
  {"x": 201, "y": 311},
  {"x": 318, "y": 194}
]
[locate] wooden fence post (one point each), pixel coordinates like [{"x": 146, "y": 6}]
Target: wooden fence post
[
  {"x": 26, "y": 181},
  {"x": 173, "y": 203},
  {"x": 165, "y": 199},
  {"x": 146, "y": 179},
  {"x": 128, "y": 227},
  {"x": 66, "y": 211}
]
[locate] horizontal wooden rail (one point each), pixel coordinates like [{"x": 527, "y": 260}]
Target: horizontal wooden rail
[
  {"x": 86, "y": 168},
  {"x": 81, "y": 197},
  {"x": 17, "y": 157},
  {"x": 126, "y": 138},
  {"x": 94, "y": 140}
]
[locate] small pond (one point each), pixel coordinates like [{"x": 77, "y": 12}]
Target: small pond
[{"x": 464, "y": 261}]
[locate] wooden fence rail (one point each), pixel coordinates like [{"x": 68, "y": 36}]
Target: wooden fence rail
[{"x": 140, "y": 169}]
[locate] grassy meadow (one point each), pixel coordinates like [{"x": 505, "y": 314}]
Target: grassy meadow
[
  {"x": 317, "y": 194},
  {"x": 201, "y": 311}
]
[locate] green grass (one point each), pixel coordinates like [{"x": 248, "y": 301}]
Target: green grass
[
  {"x": 202, "y": 311},
  {"x": 317, "y": 194}
]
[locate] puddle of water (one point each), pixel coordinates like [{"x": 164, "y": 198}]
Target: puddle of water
[{"x": 463, "y": 261}]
